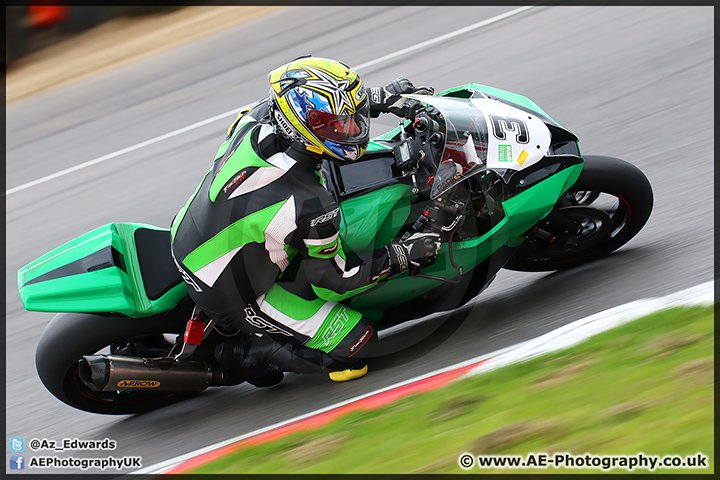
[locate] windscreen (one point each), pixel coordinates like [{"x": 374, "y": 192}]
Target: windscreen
[{"x": 466, "y": 142}]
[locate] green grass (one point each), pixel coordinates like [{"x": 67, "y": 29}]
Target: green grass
[{"x": 646, "y": 386}]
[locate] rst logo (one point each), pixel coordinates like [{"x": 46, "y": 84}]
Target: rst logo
[
  {"x": 258, "y": 322},
  {"x": 325, "y": 217},
  {"x": 138, "y": 384},
  {"x": 336, "y": 325}
]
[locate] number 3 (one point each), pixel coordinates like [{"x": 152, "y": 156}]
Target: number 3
[{"x": 507, "y": 124}]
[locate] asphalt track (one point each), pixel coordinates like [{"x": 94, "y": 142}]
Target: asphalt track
[{"x": 631, "y": 82}]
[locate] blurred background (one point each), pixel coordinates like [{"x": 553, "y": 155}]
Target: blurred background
[{"x": 32, "y": 25}]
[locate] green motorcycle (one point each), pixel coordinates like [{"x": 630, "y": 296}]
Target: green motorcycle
[{"x": 502, "y": 182}]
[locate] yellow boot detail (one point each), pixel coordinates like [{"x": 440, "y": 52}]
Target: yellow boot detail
[{"x": 349, "y": 374}]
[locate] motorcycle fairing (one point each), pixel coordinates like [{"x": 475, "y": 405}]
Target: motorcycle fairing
[
  {"x": 484, "y": 134},
  {"x": 120, "y": 268},
  {"x": 511, "y": 146},
  {"x": 373, "y": 220},
  {"x": 476, "y": 90},
  {"x": 521, "y": 212}
]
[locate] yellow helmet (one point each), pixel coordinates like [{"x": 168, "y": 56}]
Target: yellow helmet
[{"x": 322, "y": 104}]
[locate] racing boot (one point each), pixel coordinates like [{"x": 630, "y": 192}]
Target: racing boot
[
  {"x": 262, "y": 361},
  {"x": 249, "y": 358},
  {"x": 309, "y": 360},
  {"x": 348, "y": 374}
]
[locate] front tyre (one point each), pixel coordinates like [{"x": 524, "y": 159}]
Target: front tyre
[
  {"x": 69, "y": 336},
  {"x": 609, "y": 204}
]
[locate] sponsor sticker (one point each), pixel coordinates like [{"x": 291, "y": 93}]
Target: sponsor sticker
[
  {"x": 360, "y": 94},
  {"x": 185, "y": 275},
  {"x": 235, "y": 181},
  {"x": 505, "y": 153},
  {"x": 284, "y": 125},
  {"x": 360, "y": 342},
  {"x": 138, "y": 384},
  {"x": 374, "y": 278},
  {"x": 522, "y": 157},
  {"x": 329, "y": 250}
]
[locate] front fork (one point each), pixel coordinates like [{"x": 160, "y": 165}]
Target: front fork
[{"x": 555, "y": 227}]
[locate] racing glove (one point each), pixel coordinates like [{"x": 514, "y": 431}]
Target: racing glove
[
  {"x": 418, "y": 251},
  {"x": 388, "y": 99}
]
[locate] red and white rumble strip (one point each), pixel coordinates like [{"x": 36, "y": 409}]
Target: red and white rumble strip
[{"x": 563, "y": 337}]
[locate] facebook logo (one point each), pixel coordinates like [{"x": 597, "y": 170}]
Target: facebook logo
[
  {"x": 17, "y": 462},
  {"x": 17, "y": 444}
]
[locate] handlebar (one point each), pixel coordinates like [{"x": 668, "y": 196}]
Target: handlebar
[{"x": 425, "y": 140}]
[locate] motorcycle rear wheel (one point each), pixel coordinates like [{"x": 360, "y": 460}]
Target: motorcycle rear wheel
[
  {"x": 69, "y": 336},
  {"x": 608, "y": 186}
]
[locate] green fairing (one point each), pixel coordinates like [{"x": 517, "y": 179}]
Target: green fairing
[
  {"x": 373, "y": 220},
  {"x": 465, "y": 91},
  {"x": 103, "y": 289},
  {"x": 521, "y": 213}
]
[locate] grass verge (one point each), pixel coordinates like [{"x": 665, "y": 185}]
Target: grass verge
[{"x": 646, "y": 386}]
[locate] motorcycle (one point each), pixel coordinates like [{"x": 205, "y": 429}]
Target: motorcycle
[{"x": 503, "y": 183}]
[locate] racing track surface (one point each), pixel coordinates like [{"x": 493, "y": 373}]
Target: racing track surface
[{"x": 635, "y": 83}]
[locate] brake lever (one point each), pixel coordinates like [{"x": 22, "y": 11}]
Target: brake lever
[{"x": 414, "y": 272}]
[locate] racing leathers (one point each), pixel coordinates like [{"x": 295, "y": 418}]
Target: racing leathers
[{"x": 260, "y": 205}]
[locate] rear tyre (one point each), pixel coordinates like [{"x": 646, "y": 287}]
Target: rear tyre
[
  {"x": 69, "y": 336},
  {"x": 610, "y": 202}
]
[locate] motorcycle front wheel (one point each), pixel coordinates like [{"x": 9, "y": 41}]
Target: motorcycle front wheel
[{"x": 608, "y": 205}]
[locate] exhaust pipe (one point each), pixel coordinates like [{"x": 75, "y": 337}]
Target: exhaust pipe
[{"x": 107, "y": 373}]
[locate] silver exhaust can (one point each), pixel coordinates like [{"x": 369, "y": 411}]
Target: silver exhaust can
[{"x": 106, "y": 373}]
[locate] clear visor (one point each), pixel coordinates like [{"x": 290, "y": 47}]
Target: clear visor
[{"x": 348, "y": 129}]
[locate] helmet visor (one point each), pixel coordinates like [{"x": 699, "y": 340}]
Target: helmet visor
[{"x": 348, "y": 129}]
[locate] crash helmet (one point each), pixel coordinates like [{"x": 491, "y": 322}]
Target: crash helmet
[{"x": 321, "y": 104}]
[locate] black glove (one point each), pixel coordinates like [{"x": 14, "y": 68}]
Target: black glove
[
  {"x": 388, "y": 98},
  {"x": 418, "y": 251}
]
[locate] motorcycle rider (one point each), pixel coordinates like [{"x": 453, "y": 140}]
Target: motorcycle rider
[{"x": 263, "y": 202}]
